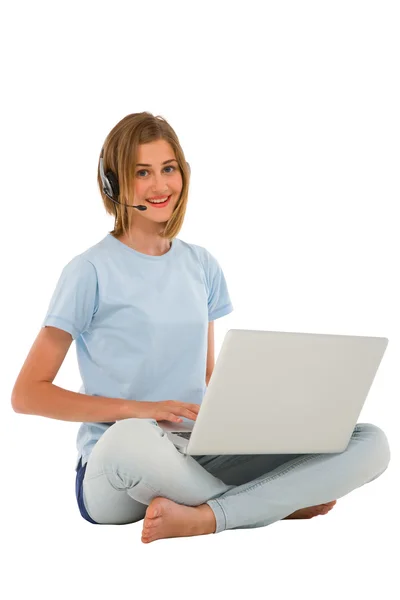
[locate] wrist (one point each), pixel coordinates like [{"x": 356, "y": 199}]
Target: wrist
[{"x": 128, "y": 409}]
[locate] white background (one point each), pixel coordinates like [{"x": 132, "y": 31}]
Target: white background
[{"x": 288, "y": 113}]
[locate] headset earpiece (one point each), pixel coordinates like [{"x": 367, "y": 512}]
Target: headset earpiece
[{"x": 113, "y": 183}]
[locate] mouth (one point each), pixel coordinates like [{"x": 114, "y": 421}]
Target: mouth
[{"x": 159, "y": 204}]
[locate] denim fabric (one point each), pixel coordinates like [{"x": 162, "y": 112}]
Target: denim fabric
[
  {"x": 80, "y": 474},
  {"x": 135, "y": 461}
]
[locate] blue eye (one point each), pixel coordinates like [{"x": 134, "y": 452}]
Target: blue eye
[{"x": 145, "y": 170}]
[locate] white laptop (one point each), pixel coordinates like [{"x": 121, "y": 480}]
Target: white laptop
[{"x": 281, "y": 393}]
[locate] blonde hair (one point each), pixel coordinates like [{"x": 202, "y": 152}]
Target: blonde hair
[{"x": 120, "y": 155}]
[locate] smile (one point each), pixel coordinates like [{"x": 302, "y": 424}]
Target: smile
[{"x": 159, "y": 204}]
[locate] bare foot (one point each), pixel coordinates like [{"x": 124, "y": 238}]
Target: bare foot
[
  {"x": 176, "y": 520},
  {"x": 311, "y": 511}
]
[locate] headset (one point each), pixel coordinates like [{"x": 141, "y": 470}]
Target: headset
[{"x": 111, "y": 185}]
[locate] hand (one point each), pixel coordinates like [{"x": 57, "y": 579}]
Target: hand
[{"x": 167, "y": 410}]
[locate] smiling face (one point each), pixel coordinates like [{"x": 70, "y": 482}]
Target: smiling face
[{"x": 154, "y": 179}]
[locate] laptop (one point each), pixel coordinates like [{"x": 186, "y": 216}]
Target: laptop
[{"x": 281, "y": 393}]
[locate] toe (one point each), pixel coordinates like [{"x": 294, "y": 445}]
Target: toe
[{"x": 145, "y": 540}]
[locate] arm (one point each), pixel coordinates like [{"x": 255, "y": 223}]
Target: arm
[
  {"x": 210, "y": 352},
  {"x": 35, "y": 394}
]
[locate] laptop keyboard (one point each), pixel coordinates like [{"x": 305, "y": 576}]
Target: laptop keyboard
[{"x": 184, "y": 434}]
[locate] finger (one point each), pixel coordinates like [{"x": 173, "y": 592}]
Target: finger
[
  {"x": 172, "y": 417},
  {"x": 191, "y": 414}
]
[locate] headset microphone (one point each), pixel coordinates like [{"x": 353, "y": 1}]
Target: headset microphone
[{"x": 111, "y": 185}]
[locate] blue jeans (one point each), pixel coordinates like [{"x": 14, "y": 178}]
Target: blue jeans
[{"x": 134, "y": 461}]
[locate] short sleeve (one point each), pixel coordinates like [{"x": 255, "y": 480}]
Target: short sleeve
[
  {"x": 219, "y": 302},
  {"x": 75, "y": 298}
]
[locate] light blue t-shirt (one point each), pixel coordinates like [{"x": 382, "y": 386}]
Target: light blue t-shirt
[{"x": 140, "y": 323}]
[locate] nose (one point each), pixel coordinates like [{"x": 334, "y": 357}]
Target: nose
[{"x": 159, "y": 186}]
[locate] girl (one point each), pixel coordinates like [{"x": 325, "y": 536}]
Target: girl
[{"x": 140, "y": 305}]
